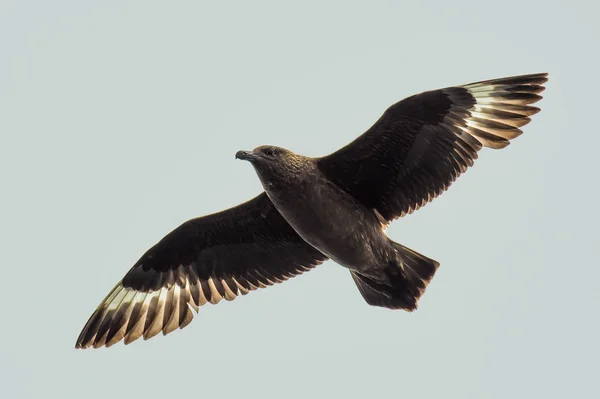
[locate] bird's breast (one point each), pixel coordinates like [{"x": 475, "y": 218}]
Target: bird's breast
[{"x": 334, "y": 223}]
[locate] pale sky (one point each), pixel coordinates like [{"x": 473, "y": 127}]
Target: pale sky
[{"x": 119, "y": 120}]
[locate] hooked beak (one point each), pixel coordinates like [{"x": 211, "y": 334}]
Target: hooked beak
[{"x": 246, "y": 156}]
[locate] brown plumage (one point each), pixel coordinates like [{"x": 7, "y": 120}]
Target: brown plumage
[{"x": 334, "y": 207}]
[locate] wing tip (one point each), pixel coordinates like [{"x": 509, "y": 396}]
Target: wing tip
[
  {"x": 537, "y": 79},
  {"x": 502, "y": 106}
]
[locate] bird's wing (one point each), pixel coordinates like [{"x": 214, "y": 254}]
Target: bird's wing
[
  {"x": 421, "y": 144},
  {"x": 218, "y": 256}
]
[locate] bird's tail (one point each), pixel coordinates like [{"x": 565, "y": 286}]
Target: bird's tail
[{"x": 407, "y": 281}]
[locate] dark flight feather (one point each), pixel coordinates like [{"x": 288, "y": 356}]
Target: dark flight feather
[
  {"x": 423, "y": 143},
  {"x": 219, "y": 256}
]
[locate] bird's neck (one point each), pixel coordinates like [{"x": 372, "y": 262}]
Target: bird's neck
[
  {"x": 292, "y": 177},
  {"x": 282, "y": 189}
]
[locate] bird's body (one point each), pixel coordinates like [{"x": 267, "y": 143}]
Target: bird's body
[
  {"x": 330, "y": 219},
  {"x": 313, "y": 209}
]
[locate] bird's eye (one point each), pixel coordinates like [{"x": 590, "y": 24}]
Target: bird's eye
[{"x": 270, "y": 152}]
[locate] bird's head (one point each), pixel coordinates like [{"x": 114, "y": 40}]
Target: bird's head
[{"x": 275, "y": 166}]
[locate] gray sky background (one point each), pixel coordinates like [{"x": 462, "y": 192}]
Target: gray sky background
[{"x": 120, "y": 119}]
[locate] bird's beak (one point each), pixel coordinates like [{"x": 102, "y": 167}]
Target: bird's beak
[{"x": 246, "y": 156}]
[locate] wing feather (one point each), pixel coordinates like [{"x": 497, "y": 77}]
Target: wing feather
[
  {"x": 220, "y": 256},
  {"x": 423, "y": 143}
]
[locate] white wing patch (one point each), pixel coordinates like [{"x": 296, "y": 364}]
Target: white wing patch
[
  {"x": 127, "y": 314},
  {"x": 501, "y": 109}
]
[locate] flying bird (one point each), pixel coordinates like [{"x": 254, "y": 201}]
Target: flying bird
[{"x": 313, "y": 209}]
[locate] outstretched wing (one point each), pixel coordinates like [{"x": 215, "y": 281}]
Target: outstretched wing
[
  {"x": 423, "y": 143},
  {"x": 204, "y": 260}
]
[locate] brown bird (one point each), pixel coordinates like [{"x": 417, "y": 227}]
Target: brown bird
[{"x": 313, "y": 209}]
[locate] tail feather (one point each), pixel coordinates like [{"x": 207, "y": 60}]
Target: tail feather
[{"x": 407, "y": 281}]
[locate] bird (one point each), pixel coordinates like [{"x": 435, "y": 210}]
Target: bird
[{"x": 335, "y": 207}]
